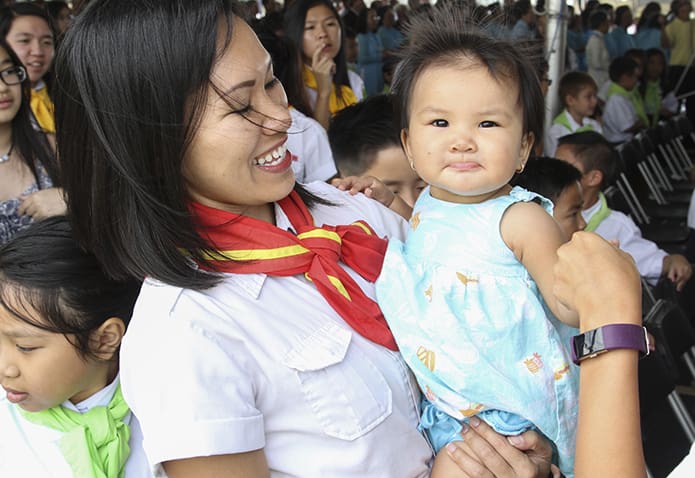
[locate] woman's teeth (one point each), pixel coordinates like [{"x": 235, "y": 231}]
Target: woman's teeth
[{"x": 274, "y": 157}]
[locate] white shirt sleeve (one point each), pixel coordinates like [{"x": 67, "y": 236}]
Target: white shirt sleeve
[
  {"x": 618, "y": 116},
  {"x": 555, "y": 132},
  {"x": 648, "y": 257},
  {"x": 312, "y": 158},
  {"x": 191, "y": 389}
]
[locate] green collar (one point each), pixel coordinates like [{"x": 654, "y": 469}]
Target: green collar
[{"x": 603, "y": 212}]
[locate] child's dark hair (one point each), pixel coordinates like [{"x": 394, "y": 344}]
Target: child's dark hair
[
  {"x": 44, "y": 272},
  {"x": 573, "y": 82},
  {"x": 547, "y": 176},
  {"x": 623, "y": 65},
  {"x": 357, "y": 133},
  {"x": 594, "y": 152},
  {"x": 446, "y": 36}
]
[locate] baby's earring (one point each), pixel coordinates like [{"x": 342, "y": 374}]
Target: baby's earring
[
  {"x": 412, "y": 165},
  {"x": 520, "y": 169}
]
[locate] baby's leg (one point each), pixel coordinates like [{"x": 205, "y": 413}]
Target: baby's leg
[{"x": 444, "y": 466}]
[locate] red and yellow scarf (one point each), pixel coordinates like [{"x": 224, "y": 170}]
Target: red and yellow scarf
[{"x": 248, "y": 245}]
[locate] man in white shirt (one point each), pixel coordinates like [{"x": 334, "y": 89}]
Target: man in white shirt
[{"x": 595, "y": 158}]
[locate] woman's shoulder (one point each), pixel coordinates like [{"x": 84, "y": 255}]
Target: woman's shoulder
[{"x": 346, "y": 209}]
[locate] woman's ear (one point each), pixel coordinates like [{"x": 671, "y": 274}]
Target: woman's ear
[{"x": 106, "y": 340}]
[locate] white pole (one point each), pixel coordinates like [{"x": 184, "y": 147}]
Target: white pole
[{"x": 555, "y": 45}]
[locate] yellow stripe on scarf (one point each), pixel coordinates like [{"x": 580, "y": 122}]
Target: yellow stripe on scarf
[
  {"x": 42, "y": 106},
  {"x": 256, "y": 254},
  {"x": 335, "y": 104}
]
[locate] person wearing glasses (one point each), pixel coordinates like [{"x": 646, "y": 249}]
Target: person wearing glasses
[{"x": 28, "y": 168}]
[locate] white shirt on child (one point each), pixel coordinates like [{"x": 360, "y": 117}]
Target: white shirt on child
[
  {"x": 618, "y": 115},
  {"x": 31, "y": 450},
  {"x": 264, "y": 362},
  {"x": 557, "y": 131},
  {"x": 312, "y": 158},
  {"x": 648, "y": 257}
]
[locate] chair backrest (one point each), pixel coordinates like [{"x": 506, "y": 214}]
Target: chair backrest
[
  {"x": 655, "y": 382},
  {"x": 672, "y": 330}
]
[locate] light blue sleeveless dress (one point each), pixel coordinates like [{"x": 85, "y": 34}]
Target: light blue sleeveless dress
[{"x": 474, "y": 329}]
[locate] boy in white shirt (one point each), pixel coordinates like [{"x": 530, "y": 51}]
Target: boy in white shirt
[
  {"x": 620, "y": 118},
  {"x": 578, "y": 93},
  {"x": 595, "y": 158}
]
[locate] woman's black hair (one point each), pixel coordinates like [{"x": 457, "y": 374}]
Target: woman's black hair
[
  {"x": 10, "y": 12},
  {"x": 295, "y": 16},
  {"x": 447, "y": 35},
  {"x": 128, "y": 104},
  {"x": 44, "y": 273},
  {"x": 33, "y": 145}
]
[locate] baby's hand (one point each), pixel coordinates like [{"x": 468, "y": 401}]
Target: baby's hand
[
  {"x": 369, "y": 185},
  {"x": 375, "y": 189}
]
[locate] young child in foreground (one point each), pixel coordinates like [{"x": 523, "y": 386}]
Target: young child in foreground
[
  {"x": 61, "y": 324},
  {"x": 468, "y": 296}
]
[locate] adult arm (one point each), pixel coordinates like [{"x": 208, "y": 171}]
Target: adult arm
[
  {"x": 602, "y": 284},
  {"x": 240, "y": 465}
]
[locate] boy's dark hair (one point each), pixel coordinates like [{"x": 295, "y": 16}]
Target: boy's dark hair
[
  {"x": 623, "y": 65},
  {"x": 547, "y": 176},
  {"x": 597, "y": 19},
  {"x": 45, "y": 273},
  {"x": 445, "y": 36},
  {"x": 357, "y": 133},
  {"x": 573, "y": 82},
  {"x": 594, "y": 152}
]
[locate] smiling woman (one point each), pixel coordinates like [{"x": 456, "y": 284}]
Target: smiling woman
[{"x": 276, "y": 360}]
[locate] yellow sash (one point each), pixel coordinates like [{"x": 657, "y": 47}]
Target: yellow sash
[
  {"x": 335, "y": 104},
  {"x": 42, "y": 106}
]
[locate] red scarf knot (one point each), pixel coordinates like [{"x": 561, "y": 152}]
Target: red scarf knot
[{"x": 248, "y": 245}]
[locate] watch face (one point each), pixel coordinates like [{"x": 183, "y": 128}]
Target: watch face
[{"x": 588, "y": 343}]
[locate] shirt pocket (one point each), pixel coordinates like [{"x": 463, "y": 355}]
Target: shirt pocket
[{"x": 348, "y": 394}]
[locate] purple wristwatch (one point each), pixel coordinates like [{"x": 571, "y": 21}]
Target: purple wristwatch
[{"x": 609, "y": 337}]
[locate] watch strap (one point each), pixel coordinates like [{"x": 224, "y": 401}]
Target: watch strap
[{"x": 609, "y": 337}]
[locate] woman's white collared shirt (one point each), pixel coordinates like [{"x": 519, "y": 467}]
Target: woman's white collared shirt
[{"x": 264, "y": 362}]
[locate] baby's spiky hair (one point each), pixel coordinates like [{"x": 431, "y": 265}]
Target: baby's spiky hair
[{"x": 445, "y": 35}]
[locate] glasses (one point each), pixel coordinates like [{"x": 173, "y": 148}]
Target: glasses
[
  {"x": 13, "y": 75},
  {"x": 547, "y": 80}
]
